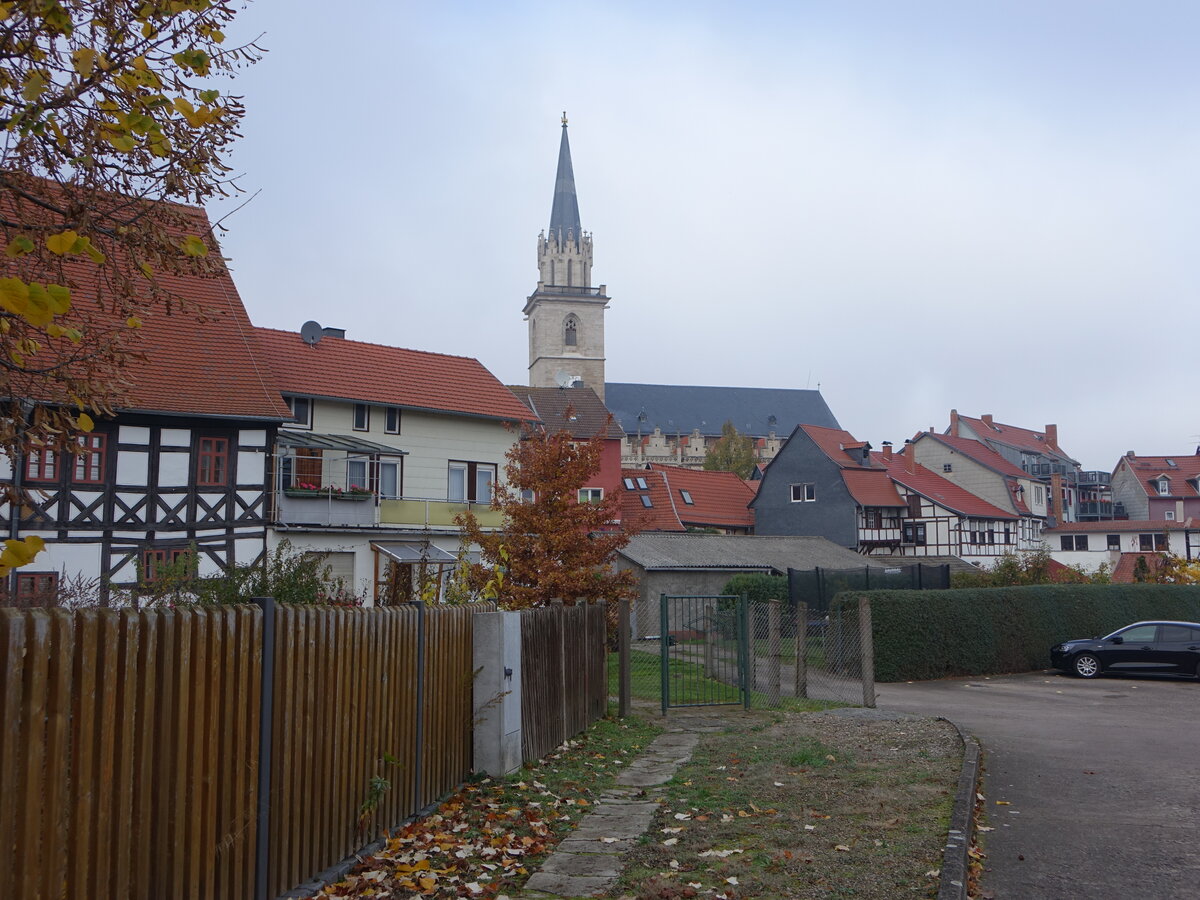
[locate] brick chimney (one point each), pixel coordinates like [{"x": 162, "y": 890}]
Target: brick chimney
[
  {"x": 887, "y": 451},
  {"x": 910, "y": 458},
  {"x": 987, "y": 420},
  {"x": 1056, "y": 498},
  {"x": 1052, "y": 436},
  {"x": 953, "y": 423}
]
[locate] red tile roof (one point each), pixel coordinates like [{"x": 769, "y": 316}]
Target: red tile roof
[
  {"x": 1014, "y": 436},
  {"x": 373, "y": 373},
  {"x": 939, "y": 490},
  {"x": 871, "y": 487},
  {"x": 1183, "y": 473},
  {"x": 718, "y": 498},
  {"x": 1117, "y": 526},
  {"x": 978, "y": 451},
  {"x": 1122, "y": 572},
  {"x": 589, "y": 416},
  {"x": 834, "y": 443},
  {"x": 660, "y": 516},
  {"x": 194, "y": 368}
]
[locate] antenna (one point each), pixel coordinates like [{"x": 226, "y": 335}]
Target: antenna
[{"x": 311, "y": 332}]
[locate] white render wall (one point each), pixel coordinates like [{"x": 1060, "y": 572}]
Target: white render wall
[{"x": 430, "y": 439}]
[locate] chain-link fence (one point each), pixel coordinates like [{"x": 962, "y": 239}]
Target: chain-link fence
[{"x": 767, "y": 655}]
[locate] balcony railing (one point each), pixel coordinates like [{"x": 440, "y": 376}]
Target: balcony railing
[
  {"x": 1095, "y": 478},
  {"x": 571, "y": 290},
  {"x": 435, "y": 513},
  {"x": 1103, "y": 509},
  {"x": 1045, "y": 470}
]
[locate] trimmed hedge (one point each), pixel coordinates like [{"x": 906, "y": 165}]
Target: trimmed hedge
[
  {"x": 758, "y": 587},
  {"x": 921, "y": 635}
]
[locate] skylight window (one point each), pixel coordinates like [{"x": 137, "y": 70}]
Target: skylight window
[
  {"x": 687, "y": 497},
  {"x": 628, "y": 484},
  {"x": 641, "y": 483},
  {"x": 646, "y": 501}
]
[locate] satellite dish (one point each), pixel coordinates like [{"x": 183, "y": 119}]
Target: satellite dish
[
  {"x": 563, "y": 380},
  {"x": 311, "y": 332}
]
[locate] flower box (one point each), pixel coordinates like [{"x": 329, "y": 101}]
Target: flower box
[{"x": 326, "y": 494}]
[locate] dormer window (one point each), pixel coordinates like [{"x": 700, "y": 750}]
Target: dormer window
[{"x": 1164, "y": 486}]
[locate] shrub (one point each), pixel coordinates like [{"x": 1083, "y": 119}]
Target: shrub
[
  {"x": 758, "y": 587},
  {"x": 920, "y": 635}
]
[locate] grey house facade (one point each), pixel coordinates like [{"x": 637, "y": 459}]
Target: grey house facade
[{"x": 802, "y": 492}]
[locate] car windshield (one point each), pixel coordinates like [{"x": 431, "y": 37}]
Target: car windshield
[{"x": 1134, "y": 633}]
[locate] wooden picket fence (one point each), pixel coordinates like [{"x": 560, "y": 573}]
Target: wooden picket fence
[
  {"x": 564, "y": 680},
  {"x": 129, "y": 740}
]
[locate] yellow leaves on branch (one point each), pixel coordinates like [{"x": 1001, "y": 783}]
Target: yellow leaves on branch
[
  {"x": 37, "y": 304},
  {"x": 69, "y": 243},
  {"x": 193, "y": 246},
  {"x": 19, "y": 553}
]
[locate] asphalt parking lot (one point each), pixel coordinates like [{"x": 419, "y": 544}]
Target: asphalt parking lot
[{"x": 1092, "y": 787}]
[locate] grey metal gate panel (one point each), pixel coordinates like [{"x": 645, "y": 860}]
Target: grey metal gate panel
[{"x": 704, "y": 645}]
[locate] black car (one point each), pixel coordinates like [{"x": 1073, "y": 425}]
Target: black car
[{"x": 1140, "y": 647}]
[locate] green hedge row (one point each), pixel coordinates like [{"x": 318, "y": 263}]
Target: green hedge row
[
  {"x": 758, "y": 587},
  {"x": 983, "y": 631}
]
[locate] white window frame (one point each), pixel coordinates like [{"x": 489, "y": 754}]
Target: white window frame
[
  {"x": 591, "y": 495},
  {"x": 365, "y": 409},
  {"x": 307, "y": 422},
  {"x": 398, "y": 467},
  {"x": 807, "y": 492}
]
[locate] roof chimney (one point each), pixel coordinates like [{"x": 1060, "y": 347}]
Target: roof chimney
[
  {"x": 887, "y": 451},
  {"x": 910, "y": 458},
  {"x": 1129, "y": 454},
  {"x": 987, "y": 420},
  {"x": 1052, "y": 436},
  {"x": 333, "y": 332},
  {"x": 953, "y": 423}
]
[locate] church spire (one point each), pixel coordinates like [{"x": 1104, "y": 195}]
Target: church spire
[{"x": 564, "y": 215}]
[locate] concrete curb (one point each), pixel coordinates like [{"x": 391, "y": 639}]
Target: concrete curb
[{"x": 955, "y": 860}]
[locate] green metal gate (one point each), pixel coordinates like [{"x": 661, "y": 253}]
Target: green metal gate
[{"x": 705, "y": 650}]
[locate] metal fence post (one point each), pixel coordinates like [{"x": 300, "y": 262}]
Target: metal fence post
[
  {"x": 801, "y": 674},
  {"x": 266, "y": 708},
  {"x": 624, "y": 673},
  {"x": 773, "y": 648},
  {"x": 744, "y": 648},
  {"x": 710, "y": 638},
  {"x": 866, "y": 642},
  {"x": 663, "y": 648}
]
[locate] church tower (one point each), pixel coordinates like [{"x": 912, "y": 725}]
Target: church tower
[{"x": 565, "y": 313}]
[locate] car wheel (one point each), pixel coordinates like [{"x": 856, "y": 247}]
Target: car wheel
[{"x": 1085, "y": 665}]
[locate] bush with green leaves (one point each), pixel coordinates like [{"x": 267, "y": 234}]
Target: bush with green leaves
[
  {"x": 921, "y": 635},
  {"x": 758, "y": 587}
]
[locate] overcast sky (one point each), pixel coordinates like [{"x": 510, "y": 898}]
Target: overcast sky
[{"x": 917, "y": 205}]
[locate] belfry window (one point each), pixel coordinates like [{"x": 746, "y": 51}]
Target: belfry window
[{"x": 571, "y": 332}]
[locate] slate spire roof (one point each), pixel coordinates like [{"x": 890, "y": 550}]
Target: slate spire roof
[{"x": 564, "y": 215}]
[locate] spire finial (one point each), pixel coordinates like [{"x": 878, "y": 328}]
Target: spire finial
[{"x": 564, "y": 119}]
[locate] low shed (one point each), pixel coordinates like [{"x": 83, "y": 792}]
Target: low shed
[{"x": 701, "y": 564}]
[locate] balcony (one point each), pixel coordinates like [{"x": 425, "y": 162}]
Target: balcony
[
  {"x": 300, "y": 507},
  {"x": 435, "y": 513},
  {"x": 1045, "y": 470},
  {"x": 1095, "y": 479},
  {"x": 1102, "y": 509}
]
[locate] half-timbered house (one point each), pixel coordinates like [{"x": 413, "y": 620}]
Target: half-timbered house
[{"x": 180, "y": 470}]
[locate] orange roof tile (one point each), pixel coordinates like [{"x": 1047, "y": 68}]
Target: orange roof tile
[
  {"x": 718, "y": 498},
  {"x": 589, "y": 416},
  {"x": 1122, "y": 572},
  {"x": 1182, "y": 474},
  {"x": 945, "y": 493},
  {"x": 1014, "y": 436},
  {"x": 871, "y": 487},
  {"x": 660, "y": 515},
  {"x": 978, "y": 451},
  {"x": 189, "y": 367},
  {"x": 374, "y": 373},
  {"x": 834, "y": 443}
]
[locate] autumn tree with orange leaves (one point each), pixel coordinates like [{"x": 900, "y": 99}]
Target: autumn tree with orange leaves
[{"x": 552, "y": 546}]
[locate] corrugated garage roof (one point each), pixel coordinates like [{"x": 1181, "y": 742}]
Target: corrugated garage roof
[{"x": 653, "y": 551}]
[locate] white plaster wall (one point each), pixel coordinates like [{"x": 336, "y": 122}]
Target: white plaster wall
[
  {"x": 133, "y": 467},
  {"x": 71, "y": 559},
  {"x": 175, "y": 437},
  {"x": 173, "y": 468},
  {"x": 252, "y": 437},
  {"x": 965, "y": 472},
  {"x": 251, "y": 467},
  {"x": 133, "y": 434}
]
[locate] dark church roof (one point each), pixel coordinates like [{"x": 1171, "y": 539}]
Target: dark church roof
[
  {"x": 564, "y": 215},
  {"x": 683, "y": 408}
]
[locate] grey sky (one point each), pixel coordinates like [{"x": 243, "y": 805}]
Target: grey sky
[{"x": 917, "y": 205}]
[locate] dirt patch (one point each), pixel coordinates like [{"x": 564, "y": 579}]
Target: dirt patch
[{"x": 843, "y": 804}]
